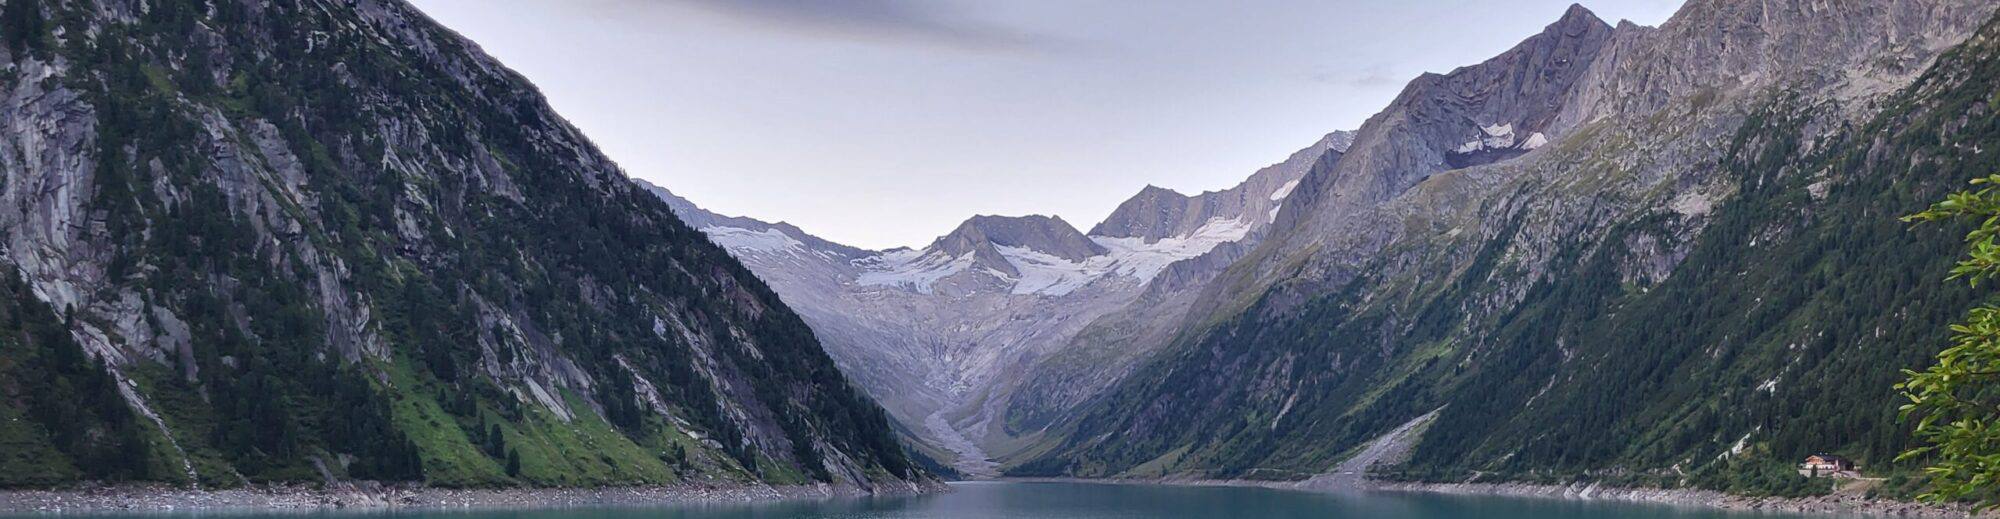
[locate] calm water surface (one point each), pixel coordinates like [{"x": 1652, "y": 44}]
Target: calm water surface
[{"x": 1009, "y": 500}]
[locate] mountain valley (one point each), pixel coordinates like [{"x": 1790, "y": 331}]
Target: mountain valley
[
  {"x": 333, "y": 243},
  {"x": 940, "y": 335},
  {"x": 1480, "y": 255}
]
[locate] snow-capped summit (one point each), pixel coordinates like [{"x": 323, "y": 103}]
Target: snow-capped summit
[
  {"x": 1039, "y": 255},
  {"x": 1050, "y": 235}
]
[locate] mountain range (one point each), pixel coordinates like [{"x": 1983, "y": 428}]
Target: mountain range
[
  {"x": 942, "y": 335},
  {"x": 1660, "y": 255}
]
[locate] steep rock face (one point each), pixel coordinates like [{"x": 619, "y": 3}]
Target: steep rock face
[
  {"x": 942, "y": 335},
  {"x": 1574, "y": 309},
  {"x": 319, "y": 240}
]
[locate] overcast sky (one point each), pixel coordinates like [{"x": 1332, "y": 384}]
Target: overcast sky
[{"x": 881, "y": 123}]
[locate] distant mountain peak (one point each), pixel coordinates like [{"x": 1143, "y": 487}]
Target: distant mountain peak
[
  {"x": 1046, "y": 234},
  {"x": 1157, "y": 191},
  {"x": 1156, "y": 213},
  {"x": 1577, "y": 14},
  {"x": 743, "y": 235},
  {"x": 1338, "y": 140},
  {"x": 1487, "y": 112}
]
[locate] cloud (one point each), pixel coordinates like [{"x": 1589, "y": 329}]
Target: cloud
[{"x": 926, "y": 22}]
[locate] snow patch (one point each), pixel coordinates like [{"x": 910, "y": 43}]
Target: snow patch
[
  {"x": 1142, "y": 260},
  {"x": 1043, "y": 273},
  {"x": 1284, "y": 190},
  {"x": 910, "y": 269},
  {"x": 1500, "y": 137},
  {"x": 1047, "y": 274},
  {"x": 1535, "y": 140},
  {"x": 740, "y": 240}
]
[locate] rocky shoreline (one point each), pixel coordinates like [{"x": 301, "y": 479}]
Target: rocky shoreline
[
  {"x": 305, "y": 498},
  {"x": 1836, "y": 504},
  {"x": 1831, "y": 504}
]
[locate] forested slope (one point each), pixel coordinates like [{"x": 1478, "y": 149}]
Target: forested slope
[
  {"x": 308, "y": 240},
  {"x": 1701, "y": 294}
]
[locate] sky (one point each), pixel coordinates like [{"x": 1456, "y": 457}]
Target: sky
[{"x": 884, "y": 123}]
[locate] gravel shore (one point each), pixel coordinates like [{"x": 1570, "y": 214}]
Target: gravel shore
[
  {"x": 1838, "y": 504},
  {"x": 1351, "y": 476},
  {"x": 161, "y": 498},
  {"x": 1833, "y": 504}
]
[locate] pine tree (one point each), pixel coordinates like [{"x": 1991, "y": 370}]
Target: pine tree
[
  {"x": 495, "y": 443},
  {"x": 21, "y": 25}
]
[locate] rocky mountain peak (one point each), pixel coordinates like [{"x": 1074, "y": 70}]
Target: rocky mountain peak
[
  {"x": 980, "y": 235},
  {"x": 1157, "y": 213},
  {"x": 1152, "y": 191},
  {"x": 1578, "y": 16},
  {"x": 1861, "y": 48},
  {"x": 1477, "y": 114},
  {"x": 691, "y": 214},
  {"x": 1337, "y": 141},
  {"x": 1153, "y": 213}
]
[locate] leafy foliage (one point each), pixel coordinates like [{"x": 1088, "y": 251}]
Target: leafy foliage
[{"x": 1954, "y": 400}]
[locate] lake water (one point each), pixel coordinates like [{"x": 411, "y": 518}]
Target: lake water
[{"x": 1012, "y": 500}]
